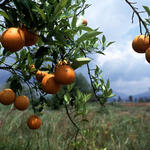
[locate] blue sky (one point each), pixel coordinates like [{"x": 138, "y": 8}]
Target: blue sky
[{"x": 128, "y": 71}]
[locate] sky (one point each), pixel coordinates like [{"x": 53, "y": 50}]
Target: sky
[{"x": 128, "y": 71}]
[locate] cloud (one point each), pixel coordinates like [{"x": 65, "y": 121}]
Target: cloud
[
  {"x": 127, "y": 70},
  {"x": 131, "y": 87}
]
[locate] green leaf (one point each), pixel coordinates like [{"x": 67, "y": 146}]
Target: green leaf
[
  {"x": 70, "y": 86},
  {"x": 79, "y": 94},
  {"x": 107, "y": 84},
  {"x": 103, "y": 39},
  {"x": 67, "y": 98},
  {"x": 22, "y": 54},
  {"x": 87, "y": 36},
  {"x": 4, "y": 14},
  {"x": 59, "y": 7},
  {"x": 100, "y": 52},
  {"x": 110, "y": 43},
  {"x": 147, "y": 10},
  {"x": 2, "y": 60},
  {"x": 40, "y": 11},
  {"x": 74, "y": 20},
  {"x": 38, "y": 63},
  {"x": 78, "y": 62},
  {"x": 29, "y": 58},
  {"x": 85, "y": 28}
]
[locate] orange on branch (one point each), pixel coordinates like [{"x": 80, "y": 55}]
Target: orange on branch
[
  {"x": 7, "y": 96},
  {"x": 40, "y": 75},
  {"x": 34, "y": 122},
  {"x": 140, "y": 43},
  {"x": 21, "y": 102},
  {"x": 64, "y": 74},
  {"x": 13, "y": 39},
  {"x": 49, "y": 85},
  {"x": 84, "y": 22},
  {"x": 147, "y": 55},
  {"x": 30, "y": 37}
]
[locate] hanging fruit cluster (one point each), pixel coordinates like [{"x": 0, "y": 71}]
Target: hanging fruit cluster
[{"x": 141, "y": 44}]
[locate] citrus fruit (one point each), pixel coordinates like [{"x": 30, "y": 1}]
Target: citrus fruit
[
  {"x": 84, "y": 22},
  {"x": 13, "y": 39},
  {"x": 49, "y": 85},
  {"x": 31, "y": 66},
  {"x": 40, "y": 75},
  {"x": 34, "y": 122},
  {"x": 30, "y": 37},
  {"x": 140, "y": 43},
  {"x": 64, "y": 74},
  {"x": 21, "y": 102},
  {"x": 147, "y": 55},
  {"x": 7, "y": 96}
]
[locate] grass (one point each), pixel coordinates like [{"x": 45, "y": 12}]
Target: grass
[{"x": 116, "y": 128}]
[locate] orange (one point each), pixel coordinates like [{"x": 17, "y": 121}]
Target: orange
[
  {"x": 40, "y": 75},
  {"x": 30, "y": 37},
  {"x": 140, "y": 43},
  {"x": 49, "y": 85},
  {"x": 147, "y": 55},
  {"x": 21, "y": 102},
  {"x": 31, "y": 66},
  {"x": 64, "y": 74},
  {"x": 13, "y": 39},
  {"x": 7, "y": 96},
  {"x": 32, "y": 69},
  {"x": 84, "y": 22},
  {"x": 34, "y": 122}
]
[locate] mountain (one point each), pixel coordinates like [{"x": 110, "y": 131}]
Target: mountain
[
  {"x": 144, "y": 95},
  {"x": 125, "y": 97},
  {"x": 119, "y": 94}
]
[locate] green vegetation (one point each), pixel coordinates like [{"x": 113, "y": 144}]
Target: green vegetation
[{"x": 115, "y": 128}]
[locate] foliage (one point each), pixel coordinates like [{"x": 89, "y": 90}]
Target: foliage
[{"x": 60, "y": 38}]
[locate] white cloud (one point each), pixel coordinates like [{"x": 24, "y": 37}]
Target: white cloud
[{"x": 127, "y": 70}]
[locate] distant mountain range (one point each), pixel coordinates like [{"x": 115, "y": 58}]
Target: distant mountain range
[{"x": 124, "y": 97}]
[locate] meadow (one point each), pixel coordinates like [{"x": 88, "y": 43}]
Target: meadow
[{"x": 116, "y": 127}]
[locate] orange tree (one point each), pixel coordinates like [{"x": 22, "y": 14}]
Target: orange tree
[{"x": 51, "y": 39}]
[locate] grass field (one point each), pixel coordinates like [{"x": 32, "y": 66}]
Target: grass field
[{"x": 117, "y": 127}]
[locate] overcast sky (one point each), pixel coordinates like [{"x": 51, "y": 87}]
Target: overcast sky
[{"x": 128, "y": 71}]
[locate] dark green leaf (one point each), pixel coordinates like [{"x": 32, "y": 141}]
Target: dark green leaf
[
  {"x": 147, "y": 10},
  {"x": 110, "y": 43},
  {"x": 4, "y": 14},
  {"x": 87, "y": 36},
  {"x": 74, "y": 20},
  {"x": 103, "y": 39}
]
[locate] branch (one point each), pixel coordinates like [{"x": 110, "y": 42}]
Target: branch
[
  {"x": 94, "y": 90},
  {"x": 139, "y": 17}
]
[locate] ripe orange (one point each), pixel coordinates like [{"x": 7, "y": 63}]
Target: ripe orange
[
  {"x": 13, "y": 39},
  {"x": 34, "y": 122},
  {"x": 147, "y": 55},
  {"x": 31, "y": 66},
  {"x": 7, "y": 96},
  {"x": 140, "y": 43},
  {"x": 21, "y": 102},
  {"x": 84, "y": 22},
  {"x": 64, "y": 74},
  {"x": 49, "y": 85},
  {"x": 30, "y": 37},
  {"x": 40, "y": 75}
]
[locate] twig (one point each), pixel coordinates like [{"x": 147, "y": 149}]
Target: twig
[{"x": 139, "y": 17}]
